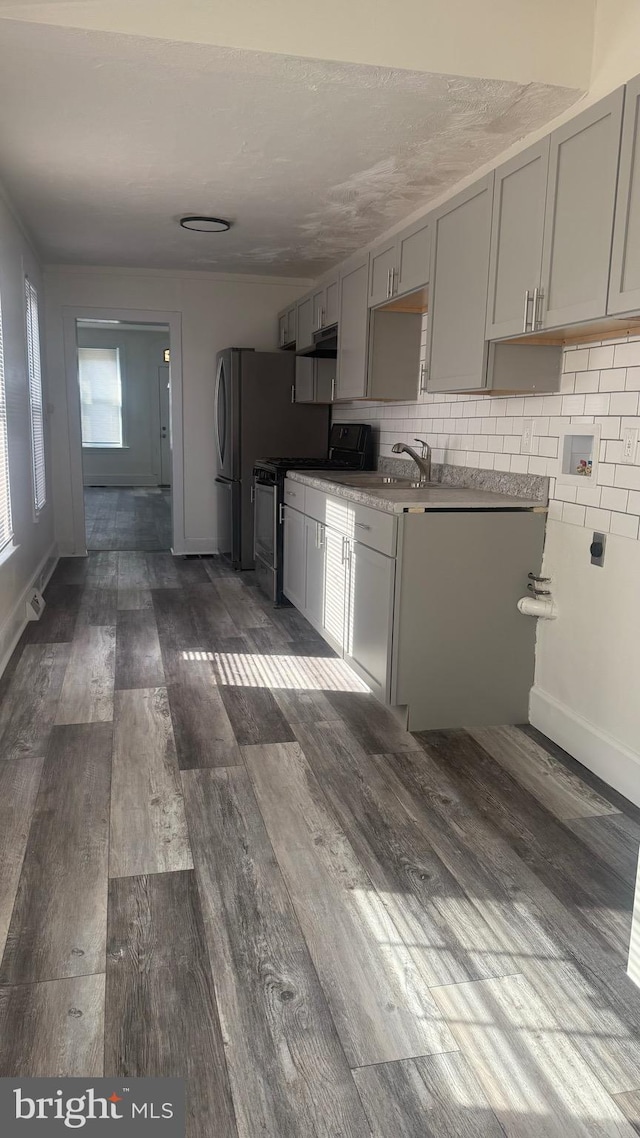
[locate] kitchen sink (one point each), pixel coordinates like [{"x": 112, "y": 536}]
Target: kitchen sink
[{"x": 368, "y": 480}]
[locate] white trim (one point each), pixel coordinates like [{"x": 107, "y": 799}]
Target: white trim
[
  {"x": 15, "y": 622},
  {"x": 614, "y": 763},
  {"x": 71, "y": 313}
]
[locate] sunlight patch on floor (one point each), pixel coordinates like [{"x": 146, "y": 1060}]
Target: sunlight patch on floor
[{"x": 293, "y": 673}]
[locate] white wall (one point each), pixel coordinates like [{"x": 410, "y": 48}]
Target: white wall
[
  {"x": 216, "y": 312},
  {"x": 33, "y": 540},
  {"x": 588, "y": 661},
  {"x": 138, "y": 462}
]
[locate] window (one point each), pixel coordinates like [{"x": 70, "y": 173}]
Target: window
[
  {"x": 100, "y": 397},
  {"x": 35, "y": 397},
  {"x": 6, "y": 528}
]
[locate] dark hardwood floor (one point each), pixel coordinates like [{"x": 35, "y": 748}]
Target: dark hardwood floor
[
  {"x": 126, "y": 517},
  {"x": 221, "y": 858}
]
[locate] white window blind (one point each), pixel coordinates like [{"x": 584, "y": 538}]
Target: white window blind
[
  {"x": 6, "y": 528},
  {"x": 35, "y": 397},
  {"x": 100, "y": 397}
]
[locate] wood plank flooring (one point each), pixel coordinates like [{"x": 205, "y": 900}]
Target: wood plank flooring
[
  {"x": 123, "y": 517},
  {"x": 328, "y": 926}
]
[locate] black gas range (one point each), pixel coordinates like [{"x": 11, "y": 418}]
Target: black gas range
[{"x": 350, "y": 448}]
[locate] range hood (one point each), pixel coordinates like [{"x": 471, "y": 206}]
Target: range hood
[{"x": 325, "y": 344}]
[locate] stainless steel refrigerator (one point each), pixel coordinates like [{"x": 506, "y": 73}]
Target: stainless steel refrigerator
[{"x": 256, "y": 417}]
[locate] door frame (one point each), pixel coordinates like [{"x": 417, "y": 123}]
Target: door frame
[
  {"x": 161, "y": 368},
  {"x": 70, "y": 315}
]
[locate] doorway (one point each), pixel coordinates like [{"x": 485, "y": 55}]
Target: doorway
[{"x": 124, "y": 382}]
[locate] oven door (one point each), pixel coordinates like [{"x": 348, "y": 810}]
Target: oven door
[{"x": 264, "y": 524}]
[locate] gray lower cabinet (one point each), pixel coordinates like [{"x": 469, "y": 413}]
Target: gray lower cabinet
[
  {"x": 371, "y": 577},
  {"x": 353, "y": 331},
  {"x": 423, "y": 606},
  {"x": 294, "y": 564},
  {"x": 460, "y": 245},
  {"x": 624, "y": 283},
  {"x": 517, "y": 231},
  {"x": 580, "y": 206}
]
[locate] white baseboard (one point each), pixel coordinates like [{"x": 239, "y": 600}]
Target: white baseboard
[
  {"x": 16, "y": 621},
  {"x": 614, "y": 763}
]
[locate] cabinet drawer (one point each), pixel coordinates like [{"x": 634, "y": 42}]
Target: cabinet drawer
[
  {"x": 294, "y": 495},
  {"x": 374, "y": 528},
  {"x": 315, "y": 504}
]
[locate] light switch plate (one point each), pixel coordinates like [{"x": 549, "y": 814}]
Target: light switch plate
[{"x": 629, "y": 444}]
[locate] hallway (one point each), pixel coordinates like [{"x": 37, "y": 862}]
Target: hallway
[
  {"x": 127, "y": 517},
  {"x": 221, "y": 858}
]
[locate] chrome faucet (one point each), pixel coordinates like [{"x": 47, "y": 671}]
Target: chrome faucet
[{"x": 422, "y": 461}]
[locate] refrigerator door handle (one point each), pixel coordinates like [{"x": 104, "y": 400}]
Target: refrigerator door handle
[{"x": 221, "y": 428}]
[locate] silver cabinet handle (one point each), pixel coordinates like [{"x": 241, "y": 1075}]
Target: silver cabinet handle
[
  {"x": 319, "y": 535},
  {"x": 253, "y": 493},
  {"x": 333, "y": 388},
  {"x": 388, "y": 283},
  {"x": 293, "y": 392},
  {"x": 394, "y": 281},
  {"x": 423, "y": 377},
  {"x": 322, "y": 535},
  {"x": 345, "y": 550},
  {"x": 538, "y": 298},
  {"x": 281, "y": 514},
  {"x": 525, "y": 320},
  {"x": 361, "y": 525}
]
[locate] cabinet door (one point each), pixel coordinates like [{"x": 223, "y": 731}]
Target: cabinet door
[
  {"x": 458, "y": 290},
  {"x": 583, "y": 169},
  {"x": 332, "y": 300},
  {"x": 319, "y": 305},
  {"x": 370, "y": 615},
  {"x": 624, "y": 285},
  {"x": 413, "y": 250},
  {"x": 381, "y": 270},
  {"x": 291, "y": 325},
  {"x": 334, "y": 617},
  {"x": 305, "y": 325},
  {"x": 315, "y": 572},
  {"x": 353, "y": 330},
  {"x": 515, "y": 266},
  {"x": 282, "y": 329},
  {"x": 294, "y": 560}
]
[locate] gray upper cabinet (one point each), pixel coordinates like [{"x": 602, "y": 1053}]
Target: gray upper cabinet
[
  {"x": 325, "y": 304},
  {"x": 461, "y": 236},
  {"x": 515, "y": 265},
  {"x": 381, "y": 269},
  {"x": 624, "y": 284},
  {"x": 353, "y": 331},
  {"x": 413, "y": 255},
  {"x": 400, "y": 265},
  {"x": 578, "y": 228},
  {"x": 318, "y": 300},
  {"x": 305, "y": 323},
  {"x": 287, "y": 326},
  {"x": 315, "y": 380}
]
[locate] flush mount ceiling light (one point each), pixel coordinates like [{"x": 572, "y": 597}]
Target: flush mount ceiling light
[{"x": 203, "y": 224}]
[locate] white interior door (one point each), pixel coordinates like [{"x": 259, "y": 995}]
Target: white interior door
[{"x": 164, "y": 384}]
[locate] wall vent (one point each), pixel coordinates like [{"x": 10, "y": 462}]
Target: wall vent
[{"x": 35, "y": 605}]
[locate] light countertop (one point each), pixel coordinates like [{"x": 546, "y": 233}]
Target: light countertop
[{"x": 396, "y": 499}]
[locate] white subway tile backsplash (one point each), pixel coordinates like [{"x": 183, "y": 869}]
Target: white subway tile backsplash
[
  {"x": 625, "y": 525},
  {"x": 624, "y": 403},
  {"x": 573, "y": 514},
  {"x": 600, "y": 384},
  {"x": 601, "y": 357},
  {"x": 612, "y": 379},
  {"x": 597, "y": 519},
  {"x": 587, "y": 381},
  {"x": 627, "y": 355},
  {"x": 614, "y": 498}
]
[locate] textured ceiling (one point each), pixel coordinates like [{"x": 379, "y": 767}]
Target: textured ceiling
[{"x": 105, "y": 139}]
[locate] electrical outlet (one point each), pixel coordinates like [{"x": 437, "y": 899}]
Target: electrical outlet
[
  {"x": 629, "y": 444},
  {"x": 528, "y": 431}
]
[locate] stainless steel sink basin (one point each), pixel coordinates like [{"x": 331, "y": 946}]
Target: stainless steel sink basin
[{"x": 368, "y": 480}]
